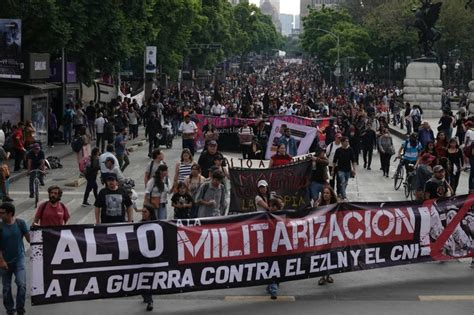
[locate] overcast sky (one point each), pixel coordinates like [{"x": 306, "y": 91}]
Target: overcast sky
[{"x": 286, "y": 6}]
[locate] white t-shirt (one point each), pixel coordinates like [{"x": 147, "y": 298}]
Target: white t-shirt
[
  {"x": 153, "y": 189},
  {"x": 188, "y": 127},
  {"x": 331, "y": 150},
  {"x": 258, "y": 198},
  {"x": 470, "y": 135},
  {"x": 2, "y": 137},
  {"x": 99, "y": 124}
]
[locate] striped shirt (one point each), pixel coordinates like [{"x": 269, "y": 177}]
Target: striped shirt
[{"x": 184, "y": 171}]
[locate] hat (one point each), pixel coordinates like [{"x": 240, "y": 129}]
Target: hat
[
  {"x": 261, "y": 183},
  {"x": 338, "y": 135},
  {"x": 109, "y": 159},
  {"x": 427, "y": 158},
  {"x": 110, "y": 176},
  {"x": 35, "y": 146},
  {"x": 438, "y": 168},
  {"x": 212, "y": 142}
]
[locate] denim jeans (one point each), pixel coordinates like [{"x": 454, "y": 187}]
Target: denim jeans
[
  {"x": 67, "y": 133},
  {"x": 147, "y": 298},
  {"x": 343, "y": 178},
  {"x": 161, "y": 212},
  {"x": 272, "y": 288},
  {"x": 16, "y": 268},
  {"x": 315, "y": 189}
]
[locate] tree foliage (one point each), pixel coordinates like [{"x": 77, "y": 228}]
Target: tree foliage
[{"x": 101, "y": 34}]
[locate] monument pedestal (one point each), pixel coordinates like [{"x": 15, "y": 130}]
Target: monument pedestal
[
  {"x": 471, "y": 93},
  {"x": 422, "y": 86}
]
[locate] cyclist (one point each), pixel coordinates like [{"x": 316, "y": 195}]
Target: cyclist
[
  {"x": 409, "y": 151},
  {"x": 36, "y": 162}
]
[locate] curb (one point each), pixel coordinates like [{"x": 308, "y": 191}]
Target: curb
[
  {"x": 18, "y": 176},
  {"x": 397, "y": 132}
]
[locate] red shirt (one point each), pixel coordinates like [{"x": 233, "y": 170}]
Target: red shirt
[
  {"x": 279, "y": 160},
  {"x": 49, "y": 215}
]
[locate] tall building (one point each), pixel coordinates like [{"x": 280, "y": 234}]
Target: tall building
[
  {"x": 287, "y": 23},
  {"x": 268, "y": 9},
  {"x": 316, "y": 4},
  {"x": 297, "y": 21},
  {"x": 275, "y": 4}
]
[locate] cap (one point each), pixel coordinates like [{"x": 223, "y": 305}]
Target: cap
[
  {"x": 35, "y": 146},
  {"x": 111, "y": 176},
  {"x": 438, "y": 168},
  {"x": 212, "y": 142},
  {"x": 338, "y": 135},
  {"x": 427, "y": 158},
  {"x": 261, "y": 183}
]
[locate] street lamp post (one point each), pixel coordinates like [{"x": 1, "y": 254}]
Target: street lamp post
[
  {"x": 338, "y": 66},
  {"x": 444, "y": 67}
]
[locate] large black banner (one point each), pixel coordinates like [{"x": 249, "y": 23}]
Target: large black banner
[
  {"x": 82, "y": 262},
  {"x": 289, "y": 181}
]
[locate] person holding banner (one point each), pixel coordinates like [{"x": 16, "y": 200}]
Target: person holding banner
[
  {"x": 245, "y": 139},
  {"x": 148, "y": 214},
  {"x": 328, "y": 197},
  {"x": 280, "y": 157},
  {"x": 188, "y": 129},
  {"x": 263, "y": 196}
]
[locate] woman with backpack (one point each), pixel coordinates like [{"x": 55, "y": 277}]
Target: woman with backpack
[
  {"x": 156, "y": 192},
  {"x": 92, "y": 169}
]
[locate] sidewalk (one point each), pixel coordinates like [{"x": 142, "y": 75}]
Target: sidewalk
[
  {"x": 402, "y": 133},
  {"x": 61, "y": 151}
]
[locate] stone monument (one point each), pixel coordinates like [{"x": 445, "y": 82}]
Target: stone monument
[
  {"x": 471, "y": 94},
  {"x": 422, "y": 84}
]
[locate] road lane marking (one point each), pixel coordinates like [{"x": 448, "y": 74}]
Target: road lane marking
[
  {"x": 258, "y": 298},
  {"x": 436, "y": 298},
  {"x": 111, "y": 268}
]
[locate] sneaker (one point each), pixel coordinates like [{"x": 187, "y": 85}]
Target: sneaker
[
  {"x": 32, "y": 196},
  {"x": 149, "y": 307},
  {"x": 7, "y": 199},
  {"x": 472, "y": 264},
  {"x": 273, "y": 296},
  {"x": 86, "y": 204}
]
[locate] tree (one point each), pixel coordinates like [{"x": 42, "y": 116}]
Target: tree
[{"x": 321, "y": 29}]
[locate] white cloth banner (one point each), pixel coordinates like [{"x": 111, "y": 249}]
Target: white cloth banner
[
  {"x": 150, "y": 59},
  {"x": 304, "y": 136}
]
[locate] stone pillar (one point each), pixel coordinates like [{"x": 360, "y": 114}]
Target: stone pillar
[
  {"x": 422, "y": 86},
  {"x": 471, "y": 93}
]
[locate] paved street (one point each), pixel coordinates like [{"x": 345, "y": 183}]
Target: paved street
[{"x": 381, "y": 291}]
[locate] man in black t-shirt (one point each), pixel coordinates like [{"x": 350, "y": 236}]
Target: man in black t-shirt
[
  {"x": 36, "y": 166},
  {"x": 345, "y": 163},
  {"x": 112, "y": 203},
  {"x": 437, "y": 186}
]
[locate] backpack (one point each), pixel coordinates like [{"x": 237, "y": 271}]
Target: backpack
[
  {"x": 43, "y": 206},
  {"x": 67, "y": 119},
  {"x": 84, "y": 164},
  {"x": 8, "y": 145},
  {"x": 77, "y": 144}
]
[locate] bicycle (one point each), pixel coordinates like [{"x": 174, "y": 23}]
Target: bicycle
[
  {"x": 409, "y": 184},
  {"x": 36, "y": 184},
  {"x": 399, "y": 173}
]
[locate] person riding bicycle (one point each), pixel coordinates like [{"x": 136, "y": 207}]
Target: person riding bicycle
[
  {"x": 409, "y": 151},
  {"x": 36, "y": 164}
]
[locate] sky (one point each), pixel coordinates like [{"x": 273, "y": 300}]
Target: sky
[{"x": 286, "y": 6}]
